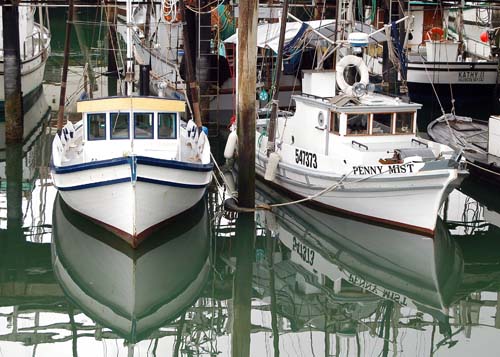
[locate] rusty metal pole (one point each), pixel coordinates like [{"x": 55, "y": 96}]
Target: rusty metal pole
[
  {"x": 246, "y": 94},
  {"x": 64, "y": 79},
  {"x": 12, "y": 74}
]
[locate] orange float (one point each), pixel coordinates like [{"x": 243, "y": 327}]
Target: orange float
[{"x": 435, "y": 34}]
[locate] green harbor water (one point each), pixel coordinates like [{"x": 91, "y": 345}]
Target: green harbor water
[{"x": 292, "y": 282}]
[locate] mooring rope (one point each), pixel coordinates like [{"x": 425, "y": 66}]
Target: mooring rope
[{"x": 305, "y": 199}]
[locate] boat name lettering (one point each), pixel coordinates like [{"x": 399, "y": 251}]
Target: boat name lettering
[
  {"x": 305, "y": 158},
  {"x": 306, "y": 253},
  {"x": 385, "y": 169},
  {"x": 470, "y": 76},
  {"x": 377, "y": 290}
]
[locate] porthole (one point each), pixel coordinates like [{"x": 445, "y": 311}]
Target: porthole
[{"x": 321, "y": 119}]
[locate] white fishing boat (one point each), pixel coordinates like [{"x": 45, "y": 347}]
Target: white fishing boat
[
  {"x": 34, "y": 39},
  {"x": 131, "y": 164},
  {"x": 358, "y": 152},
  {"x": 133, "y": 292},
  {"x": 437, "y": 67}
]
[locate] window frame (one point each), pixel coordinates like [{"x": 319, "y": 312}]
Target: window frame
[
  {"x": 88, "y": 118},
  {"x": 152, "y": 126},
  {"x": 111, "y": 129},
  {"x": 413, "y": 122},
  {"x": 391, "y": 127},
  {"x": 368, "y": 123},
  {"x": 175, "y": 122}
]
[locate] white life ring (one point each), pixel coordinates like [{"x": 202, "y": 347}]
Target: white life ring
[{"x": 360, "y": 65}]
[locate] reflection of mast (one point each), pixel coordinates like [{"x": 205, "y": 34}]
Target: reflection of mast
[{"x": 271, "y": 244}]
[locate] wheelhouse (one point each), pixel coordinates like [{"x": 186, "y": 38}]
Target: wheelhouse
[
  {"x": 129, "y": 125},
  {"x": 131, "y": 118}
]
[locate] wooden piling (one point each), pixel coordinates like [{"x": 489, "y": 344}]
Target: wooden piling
[
  {"x": 12, "y": 74},
  {"x": 64, "y": 79},
  {"x": 246, "y": 95}
]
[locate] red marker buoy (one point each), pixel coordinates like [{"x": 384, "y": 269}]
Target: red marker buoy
[{"x": 484, "y": 36}]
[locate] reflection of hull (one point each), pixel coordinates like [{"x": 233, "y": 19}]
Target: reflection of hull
[
  {"x": 36, "y": 110},
  {"x": 131, "y": 291},
  {"x": 407, "y": 268}
]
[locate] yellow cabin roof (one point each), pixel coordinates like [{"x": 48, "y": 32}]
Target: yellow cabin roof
[{"x": 152, "y": 104}]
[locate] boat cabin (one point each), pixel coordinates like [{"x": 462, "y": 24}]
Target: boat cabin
[{"x": 124, "y": 125}]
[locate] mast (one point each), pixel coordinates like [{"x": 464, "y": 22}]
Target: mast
[
  {"x": 129, "y": 76},
  {"x": 64, "y": 79},
  {"x": 276, "y": 87},
  {"x": 191, "y": 83}
]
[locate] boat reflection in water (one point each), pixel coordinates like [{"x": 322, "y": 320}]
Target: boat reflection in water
[
  {"x": 131, "y": 291},
  {"x": 347, "y": 277}
]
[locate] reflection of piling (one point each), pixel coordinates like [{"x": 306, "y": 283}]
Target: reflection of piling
[
  {"x": 64, "y": 79},
  {"x": 14, "y": 175},
  {"x": 247, "y": 77},
  {"x": 12, "y": 74},
  {"x": 242, "y": 285}
]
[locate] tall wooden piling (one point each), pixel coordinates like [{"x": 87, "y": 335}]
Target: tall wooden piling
[
  {"x": 246, "y": 95},
  {"x": 12, "y": 73},
  {"x": 64, "y": 79}
]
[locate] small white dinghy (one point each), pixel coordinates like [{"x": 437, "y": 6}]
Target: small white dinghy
[{"x": 130, "y": 165}]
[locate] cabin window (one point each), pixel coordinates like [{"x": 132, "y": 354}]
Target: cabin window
[
  {"x": 382, "y": 123},
  {"x": 335, "y": 123},
  {"x": 357, "y": 124},
  {"x": 143, "y": 125},
  {"x": 167, "y": 125},
  {"x": 119, "y": 123},
  {"x": 404, "y": 122},
  {"x": 96, "y": 124}
]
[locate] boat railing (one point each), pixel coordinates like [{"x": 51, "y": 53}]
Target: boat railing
[
  {"x": 419, "y": 142},
  {"x": 324, "y": 99},
  {"x": 354, "y": 142}
]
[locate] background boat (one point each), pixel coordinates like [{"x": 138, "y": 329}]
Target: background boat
[{"x": 34, "y": 38}]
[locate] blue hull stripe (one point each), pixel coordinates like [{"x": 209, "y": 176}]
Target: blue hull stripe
[
  {"x": 128, "y": 160},
  {"x": 168, "y": 183},
  {"x": 90, "y": 165},
  {"x": 94, "y": 184},
  {"x": 174, "y": 164},
  {"x": 127, "y": 179}
]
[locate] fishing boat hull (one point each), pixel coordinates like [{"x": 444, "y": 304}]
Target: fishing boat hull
[
  {"x": 134, "y": 195},
  {"x": 413, "y": 205},
  {"x": 453, "y": 81}
]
